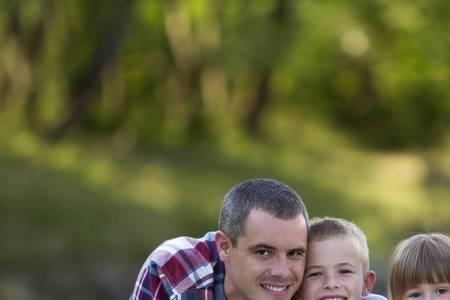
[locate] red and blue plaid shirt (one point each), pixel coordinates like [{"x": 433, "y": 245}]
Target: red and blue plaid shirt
[{"x": 183, "y": 268}]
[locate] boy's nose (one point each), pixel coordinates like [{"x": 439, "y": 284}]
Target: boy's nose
[
  {"x": 429, "y": 296},
  {"x": 331, "y": 282}
]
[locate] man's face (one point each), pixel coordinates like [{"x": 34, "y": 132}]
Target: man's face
[
  {"x": 269, "y": 259},
  {"x": 334, "y": 270}
]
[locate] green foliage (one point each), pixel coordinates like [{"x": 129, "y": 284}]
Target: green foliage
[
  {"x": 160, "y": 106},
  {"x": 379, "y": 70}
]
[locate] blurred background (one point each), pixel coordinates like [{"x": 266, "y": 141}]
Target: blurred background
[{"x": 124, "y": 123}]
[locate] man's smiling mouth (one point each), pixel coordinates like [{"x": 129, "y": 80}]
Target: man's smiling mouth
[{"x": 274, "y": 288}]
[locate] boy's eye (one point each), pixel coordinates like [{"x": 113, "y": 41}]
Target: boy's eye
[
  {"x": 345, "y": 271},
  {"x": 414, "y": 295},
  {"x": 313, "y": 274},
  {"x": 441, "y": 291}
]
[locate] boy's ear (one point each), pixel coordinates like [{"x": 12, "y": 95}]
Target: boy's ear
[
  {"x": 369, "y": 283},
  {"x": 223, "y": 244}
]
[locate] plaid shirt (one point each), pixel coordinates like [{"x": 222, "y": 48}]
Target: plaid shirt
[{"x": 182, "y": 269}]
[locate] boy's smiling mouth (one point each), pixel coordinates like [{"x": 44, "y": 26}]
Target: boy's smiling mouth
[{"x": 333, "y": 298}]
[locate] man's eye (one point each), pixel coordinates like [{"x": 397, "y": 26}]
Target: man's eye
[
  {"x": 441, "y": 291},
  {"x": 296, "y": 254},
  {"x": 262, "y": 252}
]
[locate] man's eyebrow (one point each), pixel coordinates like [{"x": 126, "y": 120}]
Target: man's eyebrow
[
  {"x": 261, "y": 246},
  {"x": 269, "y": 247},
  {"x": 299, "y": 249}
]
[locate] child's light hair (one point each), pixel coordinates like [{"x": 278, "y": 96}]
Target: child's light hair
[
  {"x": 327, "y": 228},
  {"x": 422, "y": 258}
]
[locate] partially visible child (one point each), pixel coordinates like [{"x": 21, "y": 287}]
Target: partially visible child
[
  {"x": 420, "y": 268},
  {"x": 337, "y": 265}
]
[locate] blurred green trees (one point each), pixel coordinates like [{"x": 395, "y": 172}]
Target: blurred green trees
[
  {"x": 314, "y": 93},
  {"x": 179, "y": 71}
]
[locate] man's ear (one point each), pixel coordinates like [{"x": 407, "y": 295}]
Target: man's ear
[
  {"x": 369, "y": 283},
  {"x": 223, "y": 244}
]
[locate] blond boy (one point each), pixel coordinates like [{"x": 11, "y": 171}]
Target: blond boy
[{"x": 337, "y": 266}]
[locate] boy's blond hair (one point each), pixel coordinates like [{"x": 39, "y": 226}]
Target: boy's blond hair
[
  {"x": 327, "y": 228},
  {"x": 422, "y": 258}
]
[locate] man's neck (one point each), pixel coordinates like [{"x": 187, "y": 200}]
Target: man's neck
[{"x": 231, "y": 293}]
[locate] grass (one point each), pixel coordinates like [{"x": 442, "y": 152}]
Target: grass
[{"x": 78, "y": 218}]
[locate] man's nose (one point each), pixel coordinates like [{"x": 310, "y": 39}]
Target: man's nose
[{"x": 280, "y": 267}]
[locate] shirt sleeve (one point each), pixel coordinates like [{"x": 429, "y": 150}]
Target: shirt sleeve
[
  {"x": 151, "y": 284},
  {"x": 374, "y": 297}
]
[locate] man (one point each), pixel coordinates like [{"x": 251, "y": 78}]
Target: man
[{"x": 258, "y": 252}]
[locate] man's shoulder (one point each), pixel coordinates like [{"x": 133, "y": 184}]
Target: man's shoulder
[
  {"x": 185, "y": 262},
  {"x": 195, "y": 250},
  {"x": 182, "y": 266}
]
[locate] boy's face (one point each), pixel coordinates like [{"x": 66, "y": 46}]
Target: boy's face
[
  {"x": 429, "y": 291},
  {"x": 334, "y": 271}
]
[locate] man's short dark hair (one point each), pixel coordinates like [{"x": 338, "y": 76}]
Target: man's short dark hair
[{"x": 269, "y": 195}]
